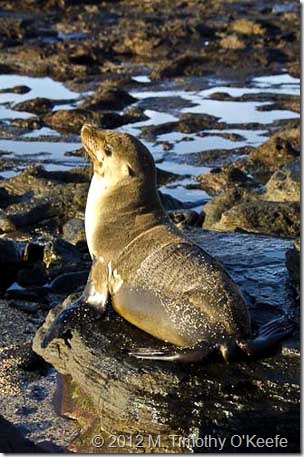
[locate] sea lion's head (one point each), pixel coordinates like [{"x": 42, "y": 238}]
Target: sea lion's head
[{"x": 117, "y": 156}]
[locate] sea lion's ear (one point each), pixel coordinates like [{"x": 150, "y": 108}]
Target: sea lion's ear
[
  {"x": 131, "y": 171},
  {"x": 128, "y": 170}
]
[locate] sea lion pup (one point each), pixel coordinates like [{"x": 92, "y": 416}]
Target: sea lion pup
[{"x": 157, "y": 279}]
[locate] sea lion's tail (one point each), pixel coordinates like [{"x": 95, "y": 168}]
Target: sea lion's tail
[{"x": 268, "y": 341}]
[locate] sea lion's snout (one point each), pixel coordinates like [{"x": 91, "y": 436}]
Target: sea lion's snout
[
  {"x": 87, "y": 130},
  {"x": 93, "y": 141}
]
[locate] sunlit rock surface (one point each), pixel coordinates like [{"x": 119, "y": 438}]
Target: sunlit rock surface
[{"x": 108, "y": 392}]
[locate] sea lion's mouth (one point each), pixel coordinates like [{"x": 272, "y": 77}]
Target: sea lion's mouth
[{"x": 92, "y": 143}]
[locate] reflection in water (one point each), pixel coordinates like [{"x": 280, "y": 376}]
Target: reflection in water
[
  {"x": 240, "y": 112},
  {"x": 7, "y": 113},
  {"x": 44, "y": 131},
  {"x": 39, "y": 87},
  {"x": 20, "y": 148}
]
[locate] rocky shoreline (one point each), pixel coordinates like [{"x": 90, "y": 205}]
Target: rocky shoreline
[
  {"x": 68, "y": 40},
  {"x": 247, "y": 177}
]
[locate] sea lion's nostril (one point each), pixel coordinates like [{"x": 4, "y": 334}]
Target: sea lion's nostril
[{"x": 107, "y": 149}]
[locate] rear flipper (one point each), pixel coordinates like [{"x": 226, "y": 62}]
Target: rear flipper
[
  {"x": 267, "y": 342},
  {"x": 184, "y": 355}
]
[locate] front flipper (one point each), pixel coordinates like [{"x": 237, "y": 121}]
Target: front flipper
[
  {"x": 93, "y": 302},
  {"x": 63, "y": 323},
  {"x": 184, "y": 355},
  {"x": 267, "y": 342}
]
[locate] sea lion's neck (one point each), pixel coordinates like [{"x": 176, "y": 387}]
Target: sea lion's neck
[{"x": 116, "y": 215}]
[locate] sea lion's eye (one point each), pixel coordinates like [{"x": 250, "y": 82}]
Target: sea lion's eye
[{"x": 107, "y": 150}]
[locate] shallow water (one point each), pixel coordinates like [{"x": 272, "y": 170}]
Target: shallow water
[
  {"x": 162, "y": 104},
  {"x": 37, "y": 148},
  {"x": 44, "y": 131},
  {"x": 230, "y": 112},
  {"x": 40, "y": 87}
]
